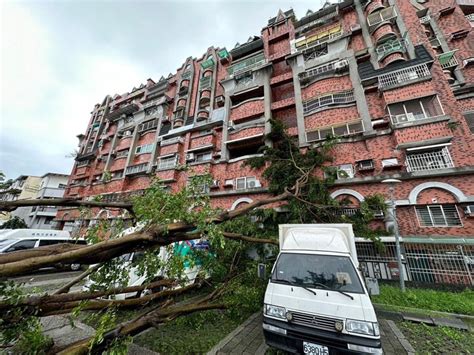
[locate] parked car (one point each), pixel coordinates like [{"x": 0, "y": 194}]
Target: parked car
[
  {"x": 135, "y": 279},
  {"x": 24, "y": 239},
  {"x": 316, "y": 301}
]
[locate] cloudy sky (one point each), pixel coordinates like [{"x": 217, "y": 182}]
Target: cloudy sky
[{"x": 59, "y": 58}]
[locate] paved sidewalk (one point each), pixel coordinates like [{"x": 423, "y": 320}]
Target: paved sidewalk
[
  {"x": 248, "y": 339},
  {"x": 63, "y": 333}
]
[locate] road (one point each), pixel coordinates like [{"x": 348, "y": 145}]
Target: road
[{"x": 47, "y": 279}]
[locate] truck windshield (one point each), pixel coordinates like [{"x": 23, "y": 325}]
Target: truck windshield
[{"x": 318, "y": 271}]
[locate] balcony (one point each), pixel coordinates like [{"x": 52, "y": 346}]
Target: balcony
[
  {"x": 403, "y": 76},
  {"x": 246, "y": 64},
  {"x": 51, "y": 192},
  {"x": 408, "y": 112},
  {"x": 208, "y": 63},
  {"x": 389, "y": 47},
  {"x": 435, "y": 159},
  {"x": 323, "y": 70},
  {"x": 205, "y": 82},
  {"x": 305, "y": 43},
  {"x": 375, "y": 19},
  {"x": 136, "y": 169},
  {"x": 333, "y": 99},
  {"x": 448, "y": 60}
]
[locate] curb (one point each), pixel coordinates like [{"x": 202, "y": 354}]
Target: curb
[{"x": 232, "y": 334}]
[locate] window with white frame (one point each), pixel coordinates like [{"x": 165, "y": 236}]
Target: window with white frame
[
  {"x": 167, "y": 162},
  {"x": 142, "y": 149},
  {"x": 247, "y": 182},
  {"x": 345, "y": 171},
  {"x": 202, "y": 157},
  {"x": 345, "y": 129},
  {"x": 438, "y": 216},
  {"x": 413, "y": 110},
  {"x": 121, "y": 154}
]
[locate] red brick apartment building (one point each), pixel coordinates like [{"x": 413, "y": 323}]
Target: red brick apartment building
[{"x": 394, "y": 79}]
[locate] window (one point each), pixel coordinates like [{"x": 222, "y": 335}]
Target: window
[
  {"x": 167, "y": 163},
  {"x": 469, "y": 117},
  {"x": 438, "y": 216},
  {"x": 330, "y": 99},
  {"x": 389, "y": 162},
  {"x": 142, "y": 149},
  {"x": 117, "y": 174},
  {"x": 249, "y": 182},
  {"x": 345, "y": 171},
  {"x": 121, "y": 154},
  {"x": 428, "y": 158},
  {"x": 80, "y": 164},
  {"x": 200, "y": 157},
  {"x": 61, "y": 186},
  {"x": 47, "y": 220},
  {"x": 349, "y": 128},
  {"x": 22, "y": 245},
  {"x": 413, "y": 110}
]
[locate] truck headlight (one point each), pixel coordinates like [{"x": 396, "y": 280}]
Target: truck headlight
[
  {"x": 275, "y": 311},
  {"x": 361, "y": 327}
]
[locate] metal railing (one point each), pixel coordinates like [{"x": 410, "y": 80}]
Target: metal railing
[
  {"x": 247, "y": 64},
  {"x": 389, "y": 47},
  {"x": 323, "y": 69},
  {"x": 381, "y": 16},
  {"x": 470, "y": 18},
  {"x": 433, "y": 160},
  {"x": 452, "y": 62},
  {"x": 403, "y": 76},
  {"x": 338, "y": 98},
  {"x": 135, "y": 169},
  {"x": 304, "y": 45},
  {"x": 425, "y": 19}
]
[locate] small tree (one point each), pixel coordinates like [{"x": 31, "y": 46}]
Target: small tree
[{"x": 14, "y": 223}]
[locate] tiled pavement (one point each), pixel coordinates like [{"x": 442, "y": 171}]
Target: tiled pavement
[{"x": 248, "y": 339}]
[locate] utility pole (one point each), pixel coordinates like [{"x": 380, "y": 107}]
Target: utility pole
[{"x": 391, "y": 189}]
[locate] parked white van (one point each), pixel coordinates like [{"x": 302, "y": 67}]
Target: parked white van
[
  {"x": 24, "y": 239},
  {"x": 316, "y": 301}
]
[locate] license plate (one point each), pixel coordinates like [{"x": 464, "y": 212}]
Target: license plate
[{"x": 310, "y": 348}]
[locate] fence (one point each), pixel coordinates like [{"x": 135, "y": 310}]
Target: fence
[{"x": 449, "y": 262}]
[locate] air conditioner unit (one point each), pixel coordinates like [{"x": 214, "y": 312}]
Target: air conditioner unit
[
  {"x": 189, "y": 156},
  {"x": 113, "y": 153},
  {"x": 410, "y": 116},
  {"x": 230, "y": 126},
  {"x": 341, "y": 64},
  {"x": 366, "y": 165},
  {"x": 401, "y": 118},
  {"x": 229, "y": 183},
  {"x": 379, "y": 214},
  {"x": 254, "y": 184},
  {"x": 356, "y": 27},
  {"x": 165, "y": 119},
  {"x": 215, "y": 184},
  {"x": 469, "y": 210}
]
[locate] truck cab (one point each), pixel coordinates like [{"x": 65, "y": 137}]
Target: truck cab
[{"x": 316, "y": 301}]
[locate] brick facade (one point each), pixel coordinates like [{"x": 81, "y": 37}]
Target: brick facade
[{"x": 217, "y": 108}]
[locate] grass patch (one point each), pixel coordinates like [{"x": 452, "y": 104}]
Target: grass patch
[
  {"x": 193, "y": 334},
  {"x": 437, "y": 340},
  {"x": 442, "y": 301}
]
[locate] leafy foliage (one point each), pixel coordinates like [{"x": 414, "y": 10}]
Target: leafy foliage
[{"x": 14, "y": 223}]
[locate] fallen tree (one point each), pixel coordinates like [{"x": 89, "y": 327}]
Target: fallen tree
[{"x": 166, "y": 219}]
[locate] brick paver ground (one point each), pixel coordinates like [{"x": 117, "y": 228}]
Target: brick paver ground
[{"x": 248, "y": 339}]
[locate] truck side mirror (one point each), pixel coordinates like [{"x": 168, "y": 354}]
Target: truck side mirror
[{"x": 262, "y": 268}]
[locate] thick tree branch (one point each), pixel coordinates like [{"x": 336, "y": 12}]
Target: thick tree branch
[
  {"x": 63, "y": 202},
  {"x": 67, "y": 287},
  {"x": 244, "y": 238}
]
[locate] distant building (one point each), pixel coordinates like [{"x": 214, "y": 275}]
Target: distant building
[
  {"x": 23, "y": 187},
  {"x": 51, "y": 186}
]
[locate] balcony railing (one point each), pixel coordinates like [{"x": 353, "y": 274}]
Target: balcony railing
[
  {"x": 337, "y": 98},
  {"x": 323, "y": 70},
  {"x": 205, "y": 82},
  {"x": 170, "y": 141},
  {"x": 403, "y": 76},
  {"x": 247, "y": 64},
  {"x": 433, "y": 160},
  {"x": 304, "y": 43},
  {"x": 147, "y": 126},
  {"x": 448, "y": 60},
  {"x": 346, "y": 211},
  {"x": 425, "y": 19},
  {"x": 136, "y": 169},
  {"x": 389, "y": 47},
  {"x": 381, "y": 16},
  {"x": 470, "y": 18}
]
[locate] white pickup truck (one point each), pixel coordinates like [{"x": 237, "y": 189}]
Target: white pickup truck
[{"x": 316, "y": 301}]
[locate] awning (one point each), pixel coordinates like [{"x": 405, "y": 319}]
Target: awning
[{"x": 445, "y": 57}]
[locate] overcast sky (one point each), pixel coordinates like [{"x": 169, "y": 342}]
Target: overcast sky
[{"x": 60, "y": 58}]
